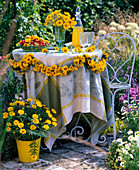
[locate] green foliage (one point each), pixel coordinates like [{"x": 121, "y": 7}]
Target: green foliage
[
  {"x": 32, "y": 14},
  {"x": 29, "y": 21},
  {"x": 10, "y": 87},
  {"x": 119, "y": 126}
]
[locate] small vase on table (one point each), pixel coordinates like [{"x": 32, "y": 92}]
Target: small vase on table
[{"x": 59, "y": 37}]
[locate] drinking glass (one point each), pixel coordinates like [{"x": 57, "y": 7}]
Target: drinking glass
[
  {"x": 83, "y": 38},
  {"x": 90, "y": 38}
]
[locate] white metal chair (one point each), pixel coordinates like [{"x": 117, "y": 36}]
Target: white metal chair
[{"x": 115, "y": 44}]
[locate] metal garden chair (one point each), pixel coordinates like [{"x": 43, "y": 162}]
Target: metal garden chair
[{"x": 122, "y": 51}]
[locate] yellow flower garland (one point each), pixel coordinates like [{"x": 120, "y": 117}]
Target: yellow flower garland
[{"x": 28, "y": 60}]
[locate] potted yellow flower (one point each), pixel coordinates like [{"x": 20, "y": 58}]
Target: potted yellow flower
[
  {"x": 28, "y": 121},
  {"x": 61, "y": 23}
]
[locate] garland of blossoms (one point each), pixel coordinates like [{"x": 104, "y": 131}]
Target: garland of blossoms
[{"x": 55, "y": 70}]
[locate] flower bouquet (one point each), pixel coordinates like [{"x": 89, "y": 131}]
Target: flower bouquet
[
  {"x": 33, "y": 43},
  {"x": 28, "y": 121},
  {"x": 61, "y": 23}
]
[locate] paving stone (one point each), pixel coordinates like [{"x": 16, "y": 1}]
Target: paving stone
[
  {"x": 48, "y": 156},
  {"x": 72, "y": 155},
  {"x": 60, "y": 150},
  {"x": 68, "y": 163},
  {"x": 86, "y": 150},
  {"x": 99, "y": 155},
  {"x": 12, "y": 164},
  {"x": 72, "y": 145},
  {"x": 94, "y": 162},
  {"x": 54, "y": 167}
]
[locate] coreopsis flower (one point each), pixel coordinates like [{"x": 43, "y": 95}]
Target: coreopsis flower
[
  {"x": 23, "y": 131},
  {"x": 44, "y": 50},
  {"x": 56, "y": 48},
  {"x": 65, "y": 49}
]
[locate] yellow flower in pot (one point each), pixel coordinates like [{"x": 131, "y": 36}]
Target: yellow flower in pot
[{"x": 28, "y": 121}]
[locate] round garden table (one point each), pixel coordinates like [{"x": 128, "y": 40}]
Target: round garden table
[{"x": 81, "y": 91}]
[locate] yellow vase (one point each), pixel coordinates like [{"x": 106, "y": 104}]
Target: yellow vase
[{"x": 28, "y": 151}]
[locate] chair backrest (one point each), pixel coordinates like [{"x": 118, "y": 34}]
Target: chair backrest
[{"x": 121, "y": 48}]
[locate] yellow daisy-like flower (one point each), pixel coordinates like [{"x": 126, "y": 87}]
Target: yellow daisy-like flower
[
  {"x": 29, "y": 100},
  {"x": 11, "y": 104},
  {"x": 92, "y": 48},
  {"x": 71, "y": 68},
  {"x": 21, "y": 112},
  {"x": 56, "y": 48},
  {"x": 44, "y": 50},
  {"x": 88, "y": 49},
  {"x": 46, "y": 127},
  {"x": 16, "y": 122},
  {"x": 33, "y": 127},
  {"x": 91, "y": 62},
  {"x": 66, "y": 26},
  {"x": 36, "y": 121},
  {"x": 20, "y": 125},
  {"x": 78, "y": 50},
  {"x": 8, "y": 129},
  {"x": 59, "y": 23},
  {"x": 34, "y": 106},
  {"x": 54, "y": 111},
  {"x": 28, "y": 59},
  {"x": 65, "y": 49},
  {"x": 76, "y": 62},
  {"x": 65, "y": 68},
  {"x": 46, "y": 41},
  {"x": 54, "y": 67},
  {"x": 22, "y": 103},
  {"x": 54, "y": 123},
  {"x": 54, "y": 119},
  {"x": 49, "y": 17},
  {"x": 48, "y": 111},
  {"x": 38, "y": 103},
  {"x": 35, "y": 116},
  {"x": 9, "y": 124},
  {"x": 5, "y": 114},
  {"x": 10, "y": 109},
  {"x": 11, "y": 113},
  {"x": 34, "y": 157},
  {"x": 23, "y": 131},
  {"x": 48, "y": 121},
  {"x": 50, "y": 115},
  {"x": 30, "y": 54},
  {"x": 34, "y": 61}
]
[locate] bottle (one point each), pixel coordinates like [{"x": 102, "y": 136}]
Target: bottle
[{"x": 77, "y": 28}]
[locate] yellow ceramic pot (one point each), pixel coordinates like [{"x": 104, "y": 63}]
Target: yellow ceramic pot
[{"x": 28, "y": 151}]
